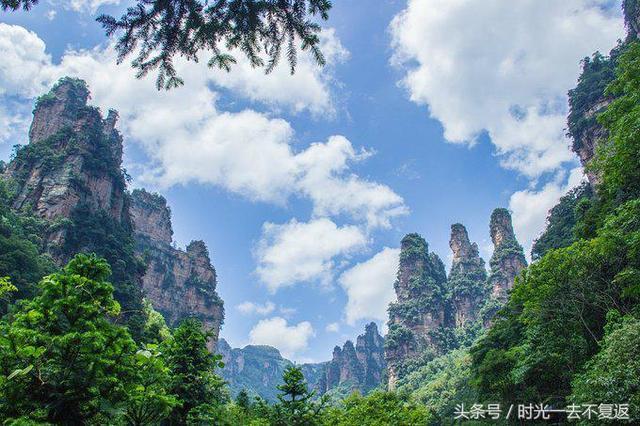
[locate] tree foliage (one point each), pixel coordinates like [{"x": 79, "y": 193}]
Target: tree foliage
[
  {"x": 555, "y": 338},
  {"x": 377, "y": 408},
  {"x": 193, "y": 378},
  {"x": 159, "y": 31},
  {"x": 62, "y": 359}
]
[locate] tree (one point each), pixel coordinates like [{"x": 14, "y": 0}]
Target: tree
[
  {"x": 613, "y": 375},
  {"x": 377, "y": 408},
  {"x": 158, "y": 31},
  {"x": 20, "y": 241},
  {"x": 198, "y": 389},
  {"x": 243, "y": 401},
  {"x": 148, "y": 401},
  {"x": 61, "y": 358},
  {"x": 295, "y": 406}
]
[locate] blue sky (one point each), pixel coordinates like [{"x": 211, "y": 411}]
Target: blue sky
[{"x": 429, "y": 112}]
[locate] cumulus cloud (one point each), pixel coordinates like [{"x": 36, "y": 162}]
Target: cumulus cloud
[
  {"x": 249, "y": 308},
  {"x": 187, "y": 139},
  {"x": 334, "y": 327},
  {"x": 25, "y": 69},
  {"x": 289, "y": 339},
  {"x": 88, "y": 6},
  {"x": 307, "y": 89},
  {"x": 304, "y": 251},
  {"x": 501, "y": 67},
  {"x": 530, "y": 207},
  {"x": 369, "y": 286}
]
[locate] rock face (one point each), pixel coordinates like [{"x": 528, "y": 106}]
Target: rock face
[
  {"x": 508, "y": 257},
  {"x": 178, "y": 283},
  {"x": 73, "y": 159},
  {"x": 256, "y": 368},
  {"x": 588, "y": 98},
  {"x": 71, "y": 176},
  {"x": 421, "y": 312},
  {"x": 466, "y": 279},
  {"x": 358, "y": 367}
]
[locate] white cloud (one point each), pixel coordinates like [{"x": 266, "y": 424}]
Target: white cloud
[
  {"x": 530, "y": 207},
  {"x": 334, "y": 327},
  {"x": 334, "y": 191},
  {"x": 25, "y": 69},
  {"x": 249, "y": 308},
  {"x": 303, "y": 251},
  {"x": 289, "y": 339},
  {"x": 369, "y": 286},
  {"x": 88, "y": 6},
  {"x": 307, "y": 89},
  {"x": 503, "y": 67},
  {"x": 14, "y": 123},
  {"x": 286, "y": 311},
  {"x": 189, "y": 140},
  {"x": 51, "y": 14}
]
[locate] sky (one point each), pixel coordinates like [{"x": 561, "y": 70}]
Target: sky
[{"x": 427, "y": 113}]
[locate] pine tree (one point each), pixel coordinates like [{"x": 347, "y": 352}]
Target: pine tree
[
  {"x": 296, "y": 406},
  {"x": 194, "y": 382},
  {"x": 62, "y": 359}
]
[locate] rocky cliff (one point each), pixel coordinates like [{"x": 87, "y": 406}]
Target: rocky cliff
[
  {"x": 434, "y": 313},
  {"x": 178, "y": 283},
  {"x": 73, "y": 162},
  {"x": 588, "y": 98},
  {"x": 360, "y": 367},
  {"x": 258, "y": 368},
  {"x": 467, "y": 278},
  {"x": 508, "y": 256},
  {"x": 417, "y": 319},
  {"x": 70, "y": 176},
  {"x": 255, "y": 368}
]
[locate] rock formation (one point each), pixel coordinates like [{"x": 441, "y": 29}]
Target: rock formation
[
  {"x": 178, "y": 283},
  {"x": 358, "y": 367},
  {"x": 588, "y": 98},
  {"x": 467, "y": 278},
  {"x": 435, "y": 314},
  {"x": 258, "y": 368},
  {"x": 70, "y": 176},
  {"x": 73, "y": 161},
  {"x": 417, "y": 319},
  {"x": 255, "y": 368},
  {"x": 508, "y": 257}
]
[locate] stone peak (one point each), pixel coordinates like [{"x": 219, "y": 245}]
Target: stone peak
[
  {"x": 69, "y": 89},
  {"x": 460, "y": 245},
  {"x": 501, "y": 227},
  {"x": 414, "y": 240},
  {"x": 371, "y": 328},
  {"x": 199, "y": 249},
  {"x": 151, "y": 215}
]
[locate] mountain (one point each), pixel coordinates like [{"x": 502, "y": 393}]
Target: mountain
[
  {"x": 355, "y": 368},
  {"x": 421, "y": 308},
  {"x": 179, "y": 283},
  {"x": 466, "y": 278},
  {"x": 435, "y": 313},
  {"x": 70, "y": 178},
  {"x": 258, "y": 368}
]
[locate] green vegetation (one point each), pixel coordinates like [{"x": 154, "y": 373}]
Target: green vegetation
[
  {"x": 97, "y": 232},
  {"x": 260, "y": 30},
  {"x": 441, "y": 384},
  {"x": 597, "y": 72},
  {"x": 570, "y": 326},
  {"x": 562, "y": 221},
  {"x": 20, "y": 247}
]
